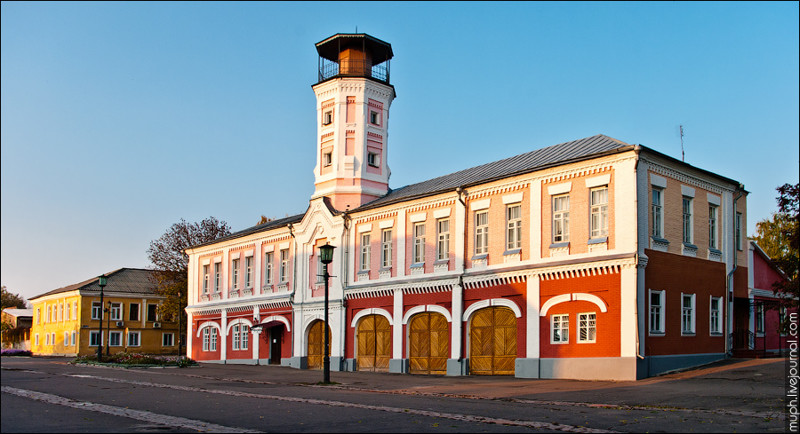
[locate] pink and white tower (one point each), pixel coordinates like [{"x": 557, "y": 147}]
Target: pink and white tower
[{"x": 353, "y": 99}]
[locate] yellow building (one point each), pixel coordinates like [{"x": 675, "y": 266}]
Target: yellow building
[{"x": 66, "y": 321}]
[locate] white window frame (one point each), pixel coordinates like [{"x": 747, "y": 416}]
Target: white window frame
[
  {"x": 688, "y": 314},
  {"x": 659, "y": 310},
  {"x": 386, "y": 248},
  {"x": 155, "y": 314},
  {"x": 481, "y": 232},
  {"x": 598, "y": 220},
  {"x": 207, "y": 338},
  {"x": 327, "y": 159},
  {"x": 268, "y": 268},
  {"x": 217, "y": 276},
  {"x": 366, "y": 250},
  {"x": 715, "y": 316},
  {"x": 164, "y": 338},
  {"x": 712, "y": 226},
  {"x": 419, "y": 243},
  {"x": 284, "y": 265},
  {"x": 374, "y": 118},
  {"x": 47, "y": 339},
  {"x": 514, "y": 226},
  {"x": 235, "y": 340},
  {"x": 74, "y": 338},
  {"x": 245, "y": 337},
  {"x": 560, "y": 206},
  {"x": 562, "y": 327},
  {"x": 443, "y": 239},
  {"x": 67, "y": 311},
  {"x": 248, "y": 272},
  {"x": 138, "y": 335},
  {"x": 97, "y": 308},
  {"x": 36, "y": 339},
  {"x": 657, "y": 205},
  {"x": 760, "y": 319},
  {"x": 687, "y": 204},
  {"x": 373, "y": 159},
  {"x": 206, "y": 278},
  {"x": 327, "y": 117},
  {"x": 53, "y": 338},
  {"x": 138, "y": 312},
  {"x": 586, "y": 321},
  {"x": 111, "y": 338},
  {"x": 115, "y": 311},
  {"x": 93, "y": 336},
  {"x": 235, "y": 274},
  {"x": 66, "y": 339}
]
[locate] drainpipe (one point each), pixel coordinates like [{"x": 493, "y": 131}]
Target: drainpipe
[
  {"x": 294, "y": 285},
  {"x": 636, "y": 150},
  {"x": 343, "y": 273},
  {"x": 461, "y": 195},
  {"x": 729, "y": 278}
]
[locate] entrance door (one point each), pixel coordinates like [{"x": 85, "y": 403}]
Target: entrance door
[
  {"x": 493, "y": 342},
  {"x": 316, "y": 344},
  {"x": 429, "y": 344},
  {"x": 374, "y": 343},
  {"x": 275, "y": 335}
]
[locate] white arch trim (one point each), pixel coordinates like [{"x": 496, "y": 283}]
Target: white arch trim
[
  {"x": 427, "y": 308},
  {"x": 371, "y": 311},
  {"x": 278, "y": 318},
  {"x": 498, "y": 302},
  {"x": 239, "y": 321},
  {"x": 208, "y": 324},
  {"x": 577, "y": 296}
]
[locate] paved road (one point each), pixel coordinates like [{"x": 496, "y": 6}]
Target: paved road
[{"x": 49, "y": 395}]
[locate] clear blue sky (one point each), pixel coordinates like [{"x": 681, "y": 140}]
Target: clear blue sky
[{"x": 119, "y": 119}]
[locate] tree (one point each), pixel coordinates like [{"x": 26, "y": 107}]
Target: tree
[
  {"x": 780, "y": 239},
  {"x": 12, "y": 300},
  {"x": 170, "y": 263},
  {"x": 264, "y": 219}
]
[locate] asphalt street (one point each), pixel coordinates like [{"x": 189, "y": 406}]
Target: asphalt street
[{"x": 50, "y": 395}]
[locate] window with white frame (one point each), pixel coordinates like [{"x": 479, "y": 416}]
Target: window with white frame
[
  {"x": 217, "y": 274},
  {"x": 268, "y": 268},
  {"x": 559, "y": 329},
  {"x": 206, "y": 278},
  {"x": 374, "y": 119},
  {"x": 97, "y": 309},
  {"x": 687, "y": 313},
  {"x": 599, "y": 212},
  {"x": 50, "y": 314},
  {"x": 715, "y": 316},
  {"x": 513, "y": 227},
  {"x": 327, "y": 117},
  {"x": 561, "y": 218},
  {"x": 386, "y": 248},
  {"x": 133, "y": 312},
  {"x": 248, "y": 272},
  {"x": 134, "y": 338},
  {"x": 74, "y": 338},
  {"x": 419, "y": 243},
  {"x": 373, "y": 159},
  {"x": 209, "y": 339},
  {"x": 481, "y": 232},
  {"x": 284, "y": 266},
  {"x": 115, "y": 339},
  {"x": 687, "y": 220},
  {"x": 738, "y": 231},
  {"x": 760, "y": 318},
  {"x": 94, "y": 338},
  {"x": 47, "y": 338},
  {"x": 53, "y": 338},
  {"x": 66, "y": 339},
  {"x": 327, "y": 159},
  {"x": 36, "y": 339},
  {"x": 38, "y": 315},
  {"x": 657, "y": 312},
  {"x": 235, "y": 274},
  {"x": 712, "y": 226},
  {"x": 657, "y": 212},
  {"x": 68, "y": 308},
  {"x": 116, "y": 311},
  {"x": 152, "y": 312},
  {"x": 244, "y": 337},
  {"x": 587, "y": 327},
  {"x": 320, "y": 268},
  {"x": 167, "y": 339},
  {"x": 442, "y": 239},
  {"x": 235, "y": 337},
  {"x": 365, "y": 252},
  {"x": 59, "y": 312},
  {"x": 75, "y": 309}
]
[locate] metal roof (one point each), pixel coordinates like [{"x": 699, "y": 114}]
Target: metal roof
[
  {"x": 535, "y": 160},
  {"x": 258, "y": 228},
  {"x": 329, "y": 47},
  {"x": 123, "y": 280}
]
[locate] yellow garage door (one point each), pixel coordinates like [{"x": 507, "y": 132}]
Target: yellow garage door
[
  {"x": 429, "y": 343},
  {"x": 316, "y": 344},
  {"x": 493, "y": 342},
  {"x": 374, "y": 343}
]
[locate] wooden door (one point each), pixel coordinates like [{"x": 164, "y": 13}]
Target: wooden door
[
  {"x": 429, "y": 344},
  {"x": 316, "y": 345},
  {"x": 275, "y": 336},
  {"x": 493, "y": 342},
  {"x": 374, "y": 343}
]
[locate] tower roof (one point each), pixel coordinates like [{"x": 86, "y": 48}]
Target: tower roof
[{"x": 329, "y": 48}]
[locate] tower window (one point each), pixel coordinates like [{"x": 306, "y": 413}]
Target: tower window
[
  {"x": 327, "y": 117},
  {"x": 373, "y": 118},
  {"x": 327, "y": 159},
  {"x": 373, "y": 159}
]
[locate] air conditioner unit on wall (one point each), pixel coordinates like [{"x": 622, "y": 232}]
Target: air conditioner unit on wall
[
  {"x": 120, "y": 323},
  {"x": 156, "y": 325}
]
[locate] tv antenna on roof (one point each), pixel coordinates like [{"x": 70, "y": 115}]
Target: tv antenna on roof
[{"x": 682, "y": 153}]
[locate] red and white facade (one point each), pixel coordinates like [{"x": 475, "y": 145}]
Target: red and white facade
[{"x": 596, "y": 259}]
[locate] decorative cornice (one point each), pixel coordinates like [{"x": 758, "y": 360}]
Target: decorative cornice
[
  {"x": 685, "y": 178},
  {"x": 478, "y": 193},
  {"x": 415, "y": 287}
]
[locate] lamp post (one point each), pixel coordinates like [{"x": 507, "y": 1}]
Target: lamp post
[
  {"x": 326, "y": 257},
  {"x": 102, "y": 280},
  {"x": 108, "y": 328}
]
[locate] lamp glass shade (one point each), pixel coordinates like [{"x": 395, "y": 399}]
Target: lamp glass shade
[
  {"x": 102, "y": 280},
  {"x": 326, "y": 253}
]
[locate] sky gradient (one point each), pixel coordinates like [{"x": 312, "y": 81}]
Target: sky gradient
[{"x": 120, "y": 119}]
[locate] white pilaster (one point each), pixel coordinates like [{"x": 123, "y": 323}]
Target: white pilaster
[
  {"x": 397, "y": 328},
  {"x": 189, "y": 334},
  {"x": 401, "y": 242},
  {"x": 223, "y": 336},
  {"x": 532, "y": 317},
  {"x": 628, "y": 317},
  {"x": 459, "y": 235},
  {"x": 535, "y": 219},
  {"x": 458, "y": 324}
]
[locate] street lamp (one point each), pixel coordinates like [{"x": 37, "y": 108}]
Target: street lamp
[
  {"x": 102, "y": 281},
  {"x": 326, "y": 257}
]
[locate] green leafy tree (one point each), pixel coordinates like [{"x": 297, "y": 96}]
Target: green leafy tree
[
  {"x": 12, "y": 300},
  {"x": 170, "y": 262},
  {"x": 780, "y": 239}
]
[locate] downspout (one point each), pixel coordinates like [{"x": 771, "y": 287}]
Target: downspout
[
  {"x": 729, "y": 278},
  {"x": 343, "y": 273},
  {"x": 461, "y": 195},
  {"x": 294, "y": 284},
  {"x": 636, "y": 150}
]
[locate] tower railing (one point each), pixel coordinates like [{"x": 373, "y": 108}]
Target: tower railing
[{"x": 353, "y": 68}]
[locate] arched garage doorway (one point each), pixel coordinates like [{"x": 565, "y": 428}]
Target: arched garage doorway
[
  {"x": 316, "y": 344},
  {"x": 374, "y": 337},
  {"x": 428, "y": 343}
]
